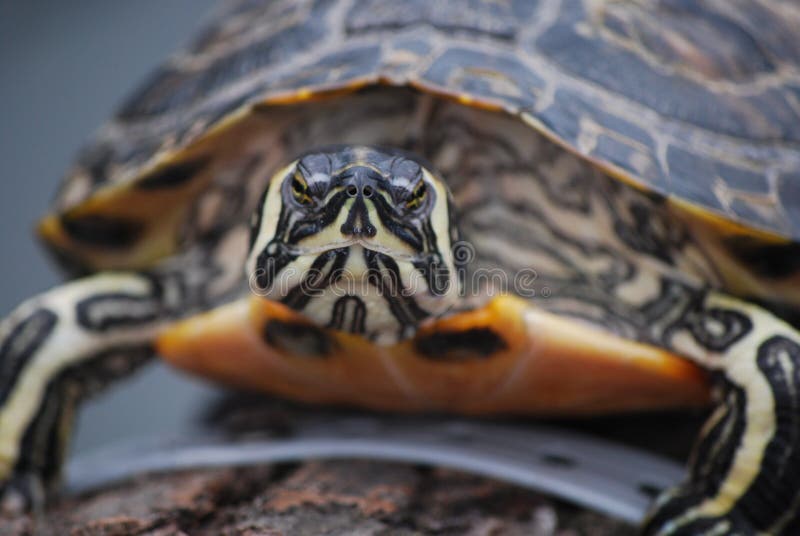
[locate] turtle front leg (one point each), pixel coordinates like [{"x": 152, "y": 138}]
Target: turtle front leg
[
  {"x": 745, "y": 471},
  {"x": 55, "y": 349}
]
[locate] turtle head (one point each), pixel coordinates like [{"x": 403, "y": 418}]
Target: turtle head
[{"x": 357, "y": 239}]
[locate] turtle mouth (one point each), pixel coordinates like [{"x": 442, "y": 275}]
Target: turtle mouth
[{"x": 301, "y": 251}]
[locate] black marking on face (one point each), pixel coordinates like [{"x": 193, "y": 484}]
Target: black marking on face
[
  {"x": 174, "y": 175},
  {"x": 383, "y": 273},
  {"x": 435, "y": 272},
  {"x": 274, "y": 257},
  {"x": 315, "y": 221},
  {"x": 357, "y": 222},
  {"x": 349, "y": 314},
  {"x": 393, "y": 222},
  {"x": 103, "y": 231},
  {"x": 272, "y": 260},
  {"x": 315, "y": 280},
  {"x": 298, "y": 338},
  {"x": 460, "y": 255},
  {"x": 432, "y": 266},
  {"x": 255, "y": 221},
  {"x": 473, "y": 343},
  {"x": 21, "y": 344},
  {"x": 116, "y": 309}
]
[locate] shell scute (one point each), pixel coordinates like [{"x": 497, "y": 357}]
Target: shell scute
[
  {"x": 489, "y": 75},
  {"x": 582, "y": 50},
  {"x": 691, "y": 100},
  {"x": 177, "y": 86},
  {"x": 334, "y": 69},
  {"x": 498, "y": 20}
]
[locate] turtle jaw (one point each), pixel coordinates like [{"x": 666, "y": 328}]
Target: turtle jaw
[
  {"x": 313, "y": 251},
  {"x": 363, "y": 290}
]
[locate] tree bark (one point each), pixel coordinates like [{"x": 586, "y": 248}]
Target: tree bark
[
  {"x": 340, "y": 498},
  {"x": 352, "y": 498}
]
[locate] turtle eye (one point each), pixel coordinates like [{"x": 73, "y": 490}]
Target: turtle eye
[
  {"x": 300, "y": 189},
  {"x": 417, "y": 196}
]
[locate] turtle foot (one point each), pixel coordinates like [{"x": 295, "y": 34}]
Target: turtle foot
[
  {"x": 681, "y": 515},
  {"x": 22, "y": 494}
]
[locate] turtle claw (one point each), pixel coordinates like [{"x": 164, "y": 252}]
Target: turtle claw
[
  {"x": 22, "y": 494},
  {"x": 718, "y": 526},
  {"x": 674, "y": 517}
]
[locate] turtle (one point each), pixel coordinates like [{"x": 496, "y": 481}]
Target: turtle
[{"x": 472, "y": 206}]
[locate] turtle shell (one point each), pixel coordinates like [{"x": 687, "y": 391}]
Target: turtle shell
[{"x": 695, "y": 101}]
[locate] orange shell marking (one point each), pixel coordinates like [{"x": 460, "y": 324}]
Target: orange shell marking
[{"x": 548, "y": 365}]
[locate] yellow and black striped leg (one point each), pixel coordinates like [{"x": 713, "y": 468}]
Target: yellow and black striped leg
[
  {"x": 55, "y": 349},
  {"x": 745, "y": 471}
]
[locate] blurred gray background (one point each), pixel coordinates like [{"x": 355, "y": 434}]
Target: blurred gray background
[{"x": 64, "y": 66}]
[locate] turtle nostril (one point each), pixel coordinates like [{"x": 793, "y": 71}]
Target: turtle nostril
[
  {"x": 367, "y": 191},
  {"x": 352, "y": 191}
]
